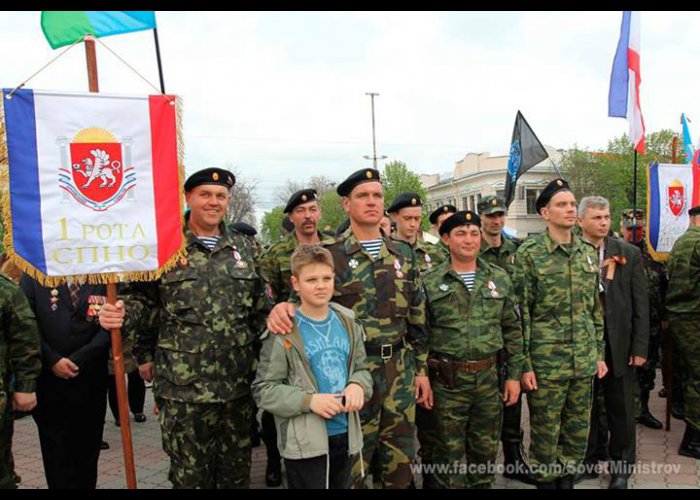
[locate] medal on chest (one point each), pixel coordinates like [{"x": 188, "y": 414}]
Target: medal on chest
[
  {"x": 353, "y": 263},
  {"x": 240, "y": 263},
  {"x": 444, "y": 287},
  {"x": 494, "y": 290},
  {"x": 397, "y": 266},
  {"x": 54, "y": 299},
  {"x": 428, "y": 261}
]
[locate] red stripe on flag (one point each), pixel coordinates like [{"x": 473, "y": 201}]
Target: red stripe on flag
[
  {"x": 166, "y": 182},
  {"x": 633, "y": 64}
]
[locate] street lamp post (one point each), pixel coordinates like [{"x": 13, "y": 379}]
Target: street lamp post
[{"x": 374, "y": 156}]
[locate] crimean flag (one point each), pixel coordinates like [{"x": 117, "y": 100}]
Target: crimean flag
[
  {"x": 672, "y": 190},
  {"x": 526, "y": 151},
  {"x": 91, "y": 184},
  {"x": 65, "y": 27},
  {"x": 625, "y": 79},
  {"x": 687, "y": 142}
]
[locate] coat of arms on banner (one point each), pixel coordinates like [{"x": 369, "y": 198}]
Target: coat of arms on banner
[
  {"x": 98, "y": 176},
  {"x": 676, "y": 197}
]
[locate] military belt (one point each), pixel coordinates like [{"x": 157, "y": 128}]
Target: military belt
[
  {"x": 385, "y": 351},
  {"x": 466, "y": 366}
]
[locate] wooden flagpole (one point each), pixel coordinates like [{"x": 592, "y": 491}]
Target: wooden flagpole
[{"x": 119, "y": 375}]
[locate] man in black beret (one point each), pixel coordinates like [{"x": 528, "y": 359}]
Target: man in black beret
[
  {"x": 440, "y": 214},
  {"x": 375, "y": 276},
  {"x": 557, "y": 282},
  {"x": 245, "y": 228}
]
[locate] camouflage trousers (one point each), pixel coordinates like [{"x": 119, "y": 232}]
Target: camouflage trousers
[
  {"x": 426, "y": 424},
  {"x": 388, "y": 421},
  {"x": 7, "y": 471},
  {"x": 208, "y": 444},
  {"x": 468, "y": 424},
  {"x": 560, "y": 415},
  {"x": 686, "y": 334}
]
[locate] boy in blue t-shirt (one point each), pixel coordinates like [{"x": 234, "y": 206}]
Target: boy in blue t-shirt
[{"x": 315, "y": 379}]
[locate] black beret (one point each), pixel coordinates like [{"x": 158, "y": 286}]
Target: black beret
[
  {"x": 244, "y": 228},
  {"x": 359, "y": 177},
  {"x": 550, "y": 190},
  {"x": 491, "y": 205},
  {"x": 302, "y": 196},
  {"x": 444, "y": 209},
  {"x": 463, "y": 218},
  {"x": 217, "y": 176},
  {"x": 405, "y": 200},
  {"x": 694, "y": 211},
  {"x": 287, "y": 225}
]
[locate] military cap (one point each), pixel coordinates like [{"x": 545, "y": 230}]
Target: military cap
[
  {"x": 217, "y": 176},
  {"x": 550, "y": 190},
  {"x": 405, "y": 200},
  {"x": 287, "y": 225},
  {"x": 244, "y": 228},
  {"x": 628, "y": 216},
  {"x": 491, "y": 205},
  {"x": 444, "y": 209},
  {"x": 694, "y": 211},
  {"x": 302, "y": 196},
  {"x": 359, "y": 177},
  {"x": 461, "y": 218}
]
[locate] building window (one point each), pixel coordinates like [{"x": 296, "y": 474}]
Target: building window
[
  {"x": 531, "y": 196},
  {"x": 478, "y": 200},
  {"x": 465, "y": 203},
  {"x": 501, "y": 193}
]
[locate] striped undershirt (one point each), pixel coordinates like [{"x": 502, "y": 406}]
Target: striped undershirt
[
  {"x": 372, "y": 246},
  {"x": 468, "y": 279},
  {"x": 209, "y": 241}
]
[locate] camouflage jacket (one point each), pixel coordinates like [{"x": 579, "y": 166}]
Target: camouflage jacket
[
  {"x": 20, "y": 343},
  {"x": 427, "y": 255},
  {"x": 276, "y": 268},
  {"x": 562, "y": 320},
  {"x": 199, "y": 321},
  {"x": 385, "y": 294},
  {"x": 473, "y": 325},
  {"x": 503, "y": 256},
  {"x": 683, "y": 296},
  {"x": 657, "y": 280}
]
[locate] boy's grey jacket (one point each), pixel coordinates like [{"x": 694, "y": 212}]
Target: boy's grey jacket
[{"x": 284, "y": 384}]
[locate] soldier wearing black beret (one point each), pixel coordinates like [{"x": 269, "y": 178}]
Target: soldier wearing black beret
[
  {"x": 300, "y": 197},
  {"x": 244, "y": 228},
  {"x": 549, "y": 191},
  {"x": 357, "y": 178},
  {"x": 463, "y": 218},
  {"x": 216, "y": 176},
  {"x": 405, "y": 200},
  {"x": 435, "y": 216}
]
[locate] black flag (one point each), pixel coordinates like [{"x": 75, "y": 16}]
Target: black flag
[{"x": 526, "y": 151}]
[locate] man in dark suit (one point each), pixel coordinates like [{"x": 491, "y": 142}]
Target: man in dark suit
[
  {"x": 72, "y": 388},
  {"x": 625, "y": 301}
]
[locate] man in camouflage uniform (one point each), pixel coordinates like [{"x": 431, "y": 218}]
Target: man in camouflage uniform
[
  {"x": 683, "y": 312},
  {"x": 556, "y": 278},
  {"x": 499, "y": 249},
  {"x": 376, "y": 277},
  {"x": 20, "y": 366},
  {"x": 437, "y": 217},
  {"x": 471, "y": 317},
  {"x": 632, "y": 229},
  {"x": 304, "y": 214},
  {"x": 196, "y": 328},
  {"x": 407, "y": 213}
]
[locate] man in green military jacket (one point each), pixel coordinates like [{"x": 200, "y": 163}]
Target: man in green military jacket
[
  {"x": 683, "y": 314},
  {"x": 557, "y": 282},
  {"x": 471, "y": 317},
  {"x": 195, "y": 328}
]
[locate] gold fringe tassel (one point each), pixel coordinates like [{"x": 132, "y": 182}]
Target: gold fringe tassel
[{"x": 98, "y": 278}]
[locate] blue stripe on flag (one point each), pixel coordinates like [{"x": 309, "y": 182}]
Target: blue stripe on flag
[
  {"x": 619, "y": 79},
  {"x": 654, "y": 206},
  {"x": 118, "y": 22},
  {"x": 25, "y": 198}
]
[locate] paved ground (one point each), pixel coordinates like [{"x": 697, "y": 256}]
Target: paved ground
[{"x": 656, "y": 452}]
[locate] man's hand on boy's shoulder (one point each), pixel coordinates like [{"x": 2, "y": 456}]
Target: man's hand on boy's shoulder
[
  {"x": 279, "y": 320},
  {"x": 354, "y": 397}
]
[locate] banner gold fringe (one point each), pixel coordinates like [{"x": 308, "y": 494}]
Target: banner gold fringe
[{"x": 98, "y": 278}]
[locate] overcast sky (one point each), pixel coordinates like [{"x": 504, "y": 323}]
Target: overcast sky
[{"x": 282, "y": 95}]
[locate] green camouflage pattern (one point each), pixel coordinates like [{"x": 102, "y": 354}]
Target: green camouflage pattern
[
  {"x": 198, "y": 322},
  {"x": 20, "y": 357},
  {"x": 562, "y": 321},
  {"x": 387, "y": 298},
  {"x": 427, "y": 255},
  {"x": 503, "y": 256},
  {"x": 276, "y": 268},
  {"x": 560, "y": 414},
  {"x": 468, "y": 425},
  {"x": 473, "y": 325},
  {"x": 388, "y": 423},
  {"x": 685, "y": 334},
  {"x": 683, "y": 296},
  {"x": 208, "y": 444}
]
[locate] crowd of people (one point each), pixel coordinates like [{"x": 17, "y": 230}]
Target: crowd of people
[{"x": 348, "y": 348}]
